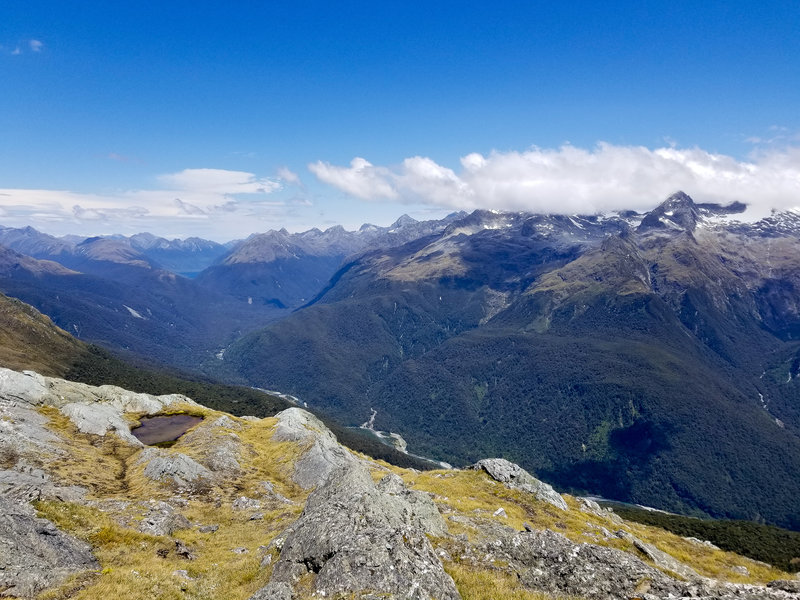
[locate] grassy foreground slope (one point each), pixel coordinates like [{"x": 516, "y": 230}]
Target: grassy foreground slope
[{"x": 236, "y": 558}]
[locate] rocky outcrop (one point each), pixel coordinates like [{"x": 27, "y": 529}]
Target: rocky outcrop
[
  {"x": 93, "y": 410},
  {"x": 548, "y": 562},
  {"x": 27, "y": 484},
  {"x": 99, "y": 420},
  {"x": 354, "y": 538},
  {"x": 324, "y": 453},
  {"x": 516, "y": 478},
  {"x": 34, "y": 554},
  {"x": 162, "y": 519},
  {"x": 219, "y": 448},
  {"x": 424, "y": 514},
  {"x": 182, "y": 471},
  {"x": 660, "y": 558}
]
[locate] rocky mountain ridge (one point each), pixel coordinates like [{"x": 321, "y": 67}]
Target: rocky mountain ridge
[
  {"x": 629, "y": 336},
  {"x": 276, "y": 509},
  {"x": 626, "y": 335}
]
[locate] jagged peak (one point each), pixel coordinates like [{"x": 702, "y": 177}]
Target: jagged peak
[
  {"x": 403, "y": 221},
  {"x": 676, "y": 213}
]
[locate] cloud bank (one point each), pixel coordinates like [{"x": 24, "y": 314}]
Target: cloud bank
[
  {"x": 190, "y": 200},
  {"x": 569, "y": 180}
]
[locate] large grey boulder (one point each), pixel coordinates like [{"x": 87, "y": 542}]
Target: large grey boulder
[
  {"x": 324, "y": 453},
  {"x": 181, "y": 470},
  {"x": 34, "y": 553},
  {"x": 516, "y": 478},
  {"x": 355, "y": 539}
]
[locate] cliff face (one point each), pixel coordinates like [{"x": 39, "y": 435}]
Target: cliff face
[{"x": 276, "y": 508}]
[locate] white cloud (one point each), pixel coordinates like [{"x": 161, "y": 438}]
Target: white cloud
[
  {"x": 35, "y": 45},
  {"x": 108, "y": 214},
  {"x": 192, "y": 201},
  {"x": 16, "y": 51},
  {"x": 219, "y": 181},
  {"x": 576, "y": 180},
  {"x": 287, "y": 175},
  {"x": 361, "y": 179},
  {"x": 189, "y": 209}
]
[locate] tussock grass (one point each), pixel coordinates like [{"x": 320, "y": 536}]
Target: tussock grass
[
  {"x": 98, "y": 463},
  {"x": 137, "y": 566},
  {"x": 476, "y": 495},
  {"x": 485, "y": 584}
]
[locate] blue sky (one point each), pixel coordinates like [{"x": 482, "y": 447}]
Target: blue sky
[{"x": 222, "y": 119}]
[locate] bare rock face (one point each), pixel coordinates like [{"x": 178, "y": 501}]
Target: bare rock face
[
  {"x": 98, "y": 419},
  {"x": 324, "y": 454},
  {"x": 355, "y": 538},
  {"x": 27, "y": 387},
  {"x": 34, "y": 554},
  {"x": 516, "y": 478}
]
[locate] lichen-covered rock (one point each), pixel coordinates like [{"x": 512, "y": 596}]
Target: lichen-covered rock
[
  {"x": 245, "y": 503},
  {"x": 177, "y": 468},
  {"x": 274, "y": 590},
  {"x": 660, "y": 559},
  {"x": 353, "y": 538},
  {"x": 34, "y": 554},
  {"x": 324, "y": 454},
  {"x": 162, "y": 519},
  {"x": 224, "y": 456},
  {"x": 424, "y": 513},
  {"x": 225, "y": 422},
  {"x": 27, "y": 484},
  {"x": 270, "y": 492},
  {"x": 516, "y": 478},
  {"x": 549, "y": 562}
]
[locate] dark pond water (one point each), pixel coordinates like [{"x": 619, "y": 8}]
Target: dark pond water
[{"x": 162, "y": 430}]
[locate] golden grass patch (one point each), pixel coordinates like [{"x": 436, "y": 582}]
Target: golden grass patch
[{"x": 486, "y": 584}]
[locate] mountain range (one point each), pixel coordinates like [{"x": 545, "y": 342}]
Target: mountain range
[{"x": 651, "y": 358}]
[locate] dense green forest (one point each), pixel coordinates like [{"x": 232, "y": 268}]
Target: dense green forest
[
  {"x": 100, "y": 367},
  {"x": 639, "y": 370}
]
